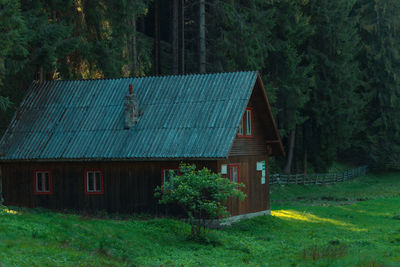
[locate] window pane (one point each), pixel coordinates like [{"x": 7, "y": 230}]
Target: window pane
[
  {"x": 248, "y": 122},
  {"x": 166, "y": 176},
  {"x": 46, "y": 182},
  {"x": 234, "y": 174},
  {"x": 98, "y": 182},
  {"x": 240, "y": 129},
  {"x": 39, "y": 182},
  {"x": 168, "y": 173},
  {"x": 90, "y": 180}
]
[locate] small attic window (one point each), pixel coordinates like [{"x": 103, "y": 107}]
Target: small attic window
[{"x": 245, "y": 128}]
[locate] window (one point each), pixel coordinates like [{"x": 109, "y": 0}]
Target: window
[
  {"x": 248, "y": 122},
  {"x": 234, "y": 173},
  {"x": 240, "y": 129},
  {"x": 166, "y": 174},
  {"x": 94, "y": 182},
  {"x": 245, "y": 128},
  {"x": 43, "y": 182}
]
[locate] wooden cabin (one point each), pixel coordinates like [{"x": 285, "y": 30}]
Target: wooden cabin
[{"x": 106, "y": 144}]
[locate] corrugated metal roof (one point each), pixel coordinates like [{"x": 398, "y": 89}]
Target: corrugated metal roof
[{"x": 187, "y": 116}]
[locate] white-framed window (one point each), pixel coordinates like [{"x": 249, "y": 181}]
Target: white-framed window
[
  {"x": 94, "y": 182},
  {"x": 245, "y": 128},
  {"x": 248, "y": 122},
  {"x": 43, "y": 182}
]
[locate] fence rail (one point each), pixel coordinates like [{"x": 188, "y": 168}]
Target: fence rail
[{"x": 317, "y": 178}]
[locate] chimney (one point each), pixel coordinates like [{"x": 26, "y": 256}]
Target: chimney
[{"x": 131, "y": 109}]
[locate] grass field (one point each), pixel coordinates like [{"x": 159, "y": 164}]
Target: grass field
[{"x": 351, "y": 224}]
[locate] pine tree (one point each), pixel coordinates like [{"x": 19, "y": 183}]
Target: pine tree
[
  {"x": 240, "y": 35},
  {"x": 12, "y": 43},
  {"x": 335, "y": 103},
  {"x": 202, "y": 37},
  {"x": 380, "y": 63},
  {"x": 268, "y": 36},
  {"x": 49, "y": 36},
  {"x": 288, "y": 71}
]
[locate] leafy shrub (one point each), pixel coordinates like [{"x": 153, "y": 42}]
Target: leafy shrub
[{"x": 200, "y": 193}]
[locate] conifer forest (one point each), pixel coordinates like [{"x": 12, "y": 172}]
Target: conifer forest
[{"x": 331, "y": 67}]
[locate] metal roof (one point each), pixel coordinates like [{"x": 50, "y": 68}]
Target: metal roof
[{"x": 186, "y": 116}]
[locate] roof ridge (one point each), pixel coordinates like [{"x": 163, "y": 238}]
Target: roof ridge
[{"x": 151, "y": 76}]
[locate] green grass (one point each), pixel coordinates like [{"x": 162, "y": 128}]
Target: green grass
[
  {"x": 305, "y": 231},
  {"x": 368, "y": 187}
]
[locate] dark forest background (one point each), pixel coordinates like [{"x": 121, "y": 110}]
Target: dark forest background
[{"x": 331, "y": 67}]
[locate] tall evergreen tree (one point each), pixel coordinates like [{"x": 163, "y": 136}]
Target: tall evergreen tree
[
  {"x": 380, "y": 61},
  {"x": 288, "y": 70},
  {"x": 335, "y": 103},
  {"x": 202, "y": 36},
  {"x": 268, "y": 36},
  {"x": 12, "y": 43},
  {"x": 241, "y": 34}
]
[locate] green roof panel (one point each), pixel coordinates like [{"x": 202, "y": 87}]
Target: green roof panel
[{"x": 186, "y": 116}]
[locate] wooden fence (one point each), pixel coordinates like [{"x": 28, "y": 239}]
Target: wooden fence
[{"x": 316, "y": 178}]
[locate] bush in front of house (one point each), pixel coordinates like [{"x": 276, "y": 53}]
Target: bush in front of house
[{"x": 202, "y": 194}]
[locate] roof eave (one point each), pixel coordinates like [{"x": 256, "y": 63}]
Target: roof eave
[
  {"x": 113, "y": 159},
  {"x": 281, "y": 150}
]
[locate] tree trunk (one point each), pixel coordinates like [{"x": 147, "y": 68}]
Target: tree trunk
[
  {"x": 54, "y": 16},
  {"x": 305, "y": 161},
  {"x": 202, "y": 37},
  {"x": 134, "y": 69},
  {"x": 305, "y": 156},
  {"x": 157, "y": 58},
  {"x": 175, "y": 38},
  {"x": 1, "y": 188},
  {"x": 292, "y": 139},
  {"x": 182, "y": 31},
  {"x": 41, "y": 74},
  {"x": 142, "y": 25}
]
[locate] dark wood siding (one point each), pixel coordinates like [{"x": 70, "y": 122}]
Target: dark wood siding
[
  {"x": 257, "y": 194},
  {"x": 128, "y": 186},
  {"x": 255, "y": 145}
]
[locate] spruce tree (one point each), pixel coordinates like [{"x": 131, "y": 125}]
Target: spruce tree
[
  {"x": 333, "y": 112},
  {"x": 12, "y": 43},
  {"x": 380, "y": 63}
]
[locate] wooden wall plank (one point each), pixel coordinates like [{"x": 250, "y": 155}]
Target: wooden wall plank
[{"x": 128, "y": 186}]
